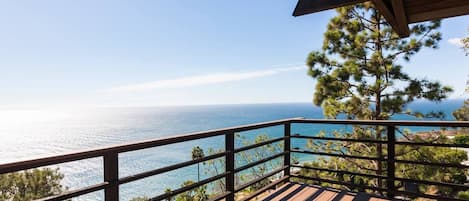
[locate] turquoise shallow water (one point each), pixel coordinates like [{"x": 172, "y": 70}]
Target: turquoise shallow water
[{"x": 27, "y": 134}]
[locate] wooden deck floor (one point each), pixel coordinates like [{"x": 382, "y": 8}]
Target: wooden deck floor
[{"x": 303, "y": 192}]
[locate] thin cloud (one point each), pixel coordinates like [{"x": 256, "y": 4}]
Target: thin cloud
[
  {"x": 202, "y": 80},
  {"x": 455, "y": 41}
]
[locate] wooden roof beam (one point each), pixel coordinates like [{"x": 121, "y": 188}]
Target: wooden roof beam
[
  {"x": 304, "y": 7},
  {"x": 387, "y": 12},
  {"x": 401, "y": 17},
  {"x": 393, "y": 12},
  {"x": 436, "y": 11}
]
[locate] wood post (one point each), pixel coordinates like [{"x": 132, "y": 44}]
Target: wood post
[
  {"x": 230, "y": 165},
  {"x": 111, "y": 175}
]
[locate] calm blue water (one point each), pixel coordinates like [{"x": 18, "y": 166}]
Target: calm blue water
[{"x": 27, "y": 134}]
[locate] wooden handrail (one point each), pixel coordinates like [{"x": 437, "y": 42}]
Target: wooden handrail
[{"x": 385, "y": 122}]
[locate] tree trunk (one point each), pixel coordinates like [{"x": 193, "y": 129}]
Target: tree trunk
[{"x": 377, "y": 115}]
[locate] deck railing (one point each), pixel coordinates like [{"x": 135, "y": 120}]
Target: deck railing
[{"x": 112, "y": 181}]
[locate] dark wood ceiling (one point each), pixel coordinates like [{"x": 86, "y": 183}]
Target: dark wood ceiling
[{"x": 398, "y": 13}]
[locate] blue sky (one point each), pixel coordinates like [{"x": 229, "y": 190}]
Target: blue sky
[{"x": 146, "y": 53}]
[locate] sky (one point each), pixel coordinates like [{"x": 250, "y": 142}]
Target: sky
[{"x": 174, "y": 52}]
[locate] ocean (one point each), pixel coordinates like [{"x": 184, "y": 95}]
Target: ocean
[{"x": 28, "y": 134}]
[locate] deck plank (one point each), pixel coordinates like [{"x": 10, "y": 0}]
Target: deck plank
[
  {"x": 347, "y": 197},
  {"x": 302, "y": 192},
  {"x": 286, "y": 193},
  {"x": 377, "y": 199},
  {"x": 326, "y": 196}
]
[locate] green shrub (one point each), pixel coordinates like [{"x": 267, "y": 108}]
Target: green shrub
[
  {"x": 30, "y": 184},
  {"x": 461, "y": 139}
]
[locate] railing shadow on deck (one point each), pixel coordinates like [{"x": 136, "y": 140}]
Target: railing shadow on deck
[{"x": 112, "y": 181}]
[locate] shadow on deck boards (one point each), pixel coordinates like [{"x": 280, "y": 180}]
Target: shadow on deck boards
[{"x": 304, "y": 192}]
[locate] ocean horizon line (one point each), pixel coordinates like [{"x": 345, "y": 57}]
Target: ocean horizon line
[{"x": 65, "y": 106}]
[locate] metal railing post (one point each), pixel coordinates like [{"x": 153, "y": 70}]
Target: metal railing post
[
  {"x": 111, "y": 175},
  {"x": 391, "y": 169},
  {"x": 230, "y": 165},
  {"x": 286, "y": 149}
]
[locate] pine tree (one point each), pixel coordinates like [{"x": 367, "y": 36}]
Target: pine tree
[
  {"x": 358, "y": 72},
  {"x": 360, "y": 75}
]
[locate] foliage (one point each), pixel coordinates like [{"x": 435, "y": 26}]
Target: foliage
[
  {"x": 411, "y": 153},
  {"x": 197, "y": 153},
  {"x": 465, "y": 42},
  {"x": 256, "y": 154},
  {"x": 461, "y": 139},
  {"x": 359, "y": 77},
  {"x": 196, "y": 194},
  {"x": 462, "y": 114},
  {"x": 357, "y": 71},
  {"x": 432, "y": 173},
  {"x": 463, "y": 195},
  {"x": 167, "y": 191},
  {"x": 216, "y": 166},
  {"x": 145, "y": 198},
  {"x": 30, "y": 184}
]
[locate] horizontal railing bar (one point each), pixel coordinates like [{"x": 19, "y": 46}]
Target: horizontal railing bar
[
  {"x": 339, "y": 182},
  {"x": 432, "y": 144},
  {"x": 75, "y": 193},
  {"x": 259, "y": 144},
  {"x": 276, "y": 171},
  {"x": 436, "y": 197},
  {"x": 338, "y": 139},
  {"x": 260, "y": 125},
  {"x": 433, "y": 164},
  {"x": 92, "y": 153},
  {"x": 265, "y": 188},
  {"x": 339, "y": 171},
  {"x": 250, "y": 165},
  {"x": 452, "y": 185},
  {"x": 189, "y": 187},
  {"x": 53, "y": 160},
  {"x": 382, "y": 142},
  {"x": 168, "y": 168},
  {"x": 338, "y": 155},
  {"x": 384, "y": 122}
]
